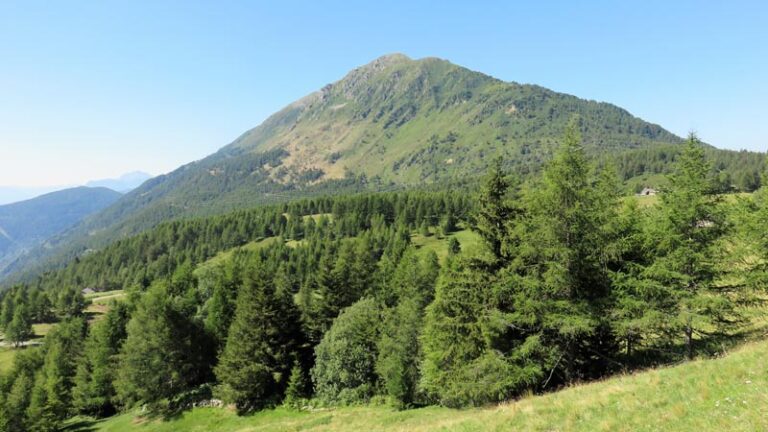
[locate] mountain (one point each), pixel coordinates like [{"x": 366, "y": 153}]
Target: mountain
[
  {"x": 12, "y": 194},
  {"x": 427, "y": 120},
  {"x": 28, "y": 224},
  {"x": 123, "y": 184},
  {"x": 393, "y": 123}
]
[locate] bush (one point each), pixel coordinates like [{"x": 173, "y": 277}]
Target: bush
[{"x": 344, "y": 371}]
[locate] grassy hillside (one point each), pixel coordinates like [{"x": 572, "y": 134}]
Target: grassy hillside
[{"x": 727, "y": 393}]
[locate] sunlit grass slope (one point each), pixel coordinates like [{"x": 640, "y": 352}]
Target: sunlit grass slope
[{"x": 724, "y": 394}]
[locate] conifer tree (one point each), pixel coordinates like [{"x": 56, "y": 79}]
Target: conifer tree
[
  {"x": 399, "y": 348},
  {"x": 554, "y": 295},
  {"x": 686, "y": 237},
  {"x": 254, "y": 367},
  {"x": 494, "y": 209},
  {"x": 51, "y": 396},
  {"x": 94, "y": 392},
  {"x": 452, "y": 337},
  {"x": 19, "y": 330},
  {"x": 454, "y": 247},
  {"x": 166, "y": 350}
]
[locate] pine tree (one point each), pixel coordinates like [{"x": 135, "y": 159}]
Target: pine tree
[
  {"x": 166, "y": 350},
  {"x": 16, "y": 403},
  {"x": 254, "y": 367},
  {"x": 51, "y": 396},
  {"x": 452, "y": 337},
  {"x": 686, "y": 237},
  {"x": 399, "y": 347},
  {"x": 19, "y": 330},
  {"x": 94, "y": 392},
  {"x": 495, "y": 210},
  {"x": 454, "y": 247},
  {"x": 297, "y": 390},
  {"x": 553, "y": 297}
]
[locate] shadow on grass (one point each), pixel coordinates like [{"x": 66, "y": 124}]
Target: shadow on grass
[{"x": 82, "y": 425}]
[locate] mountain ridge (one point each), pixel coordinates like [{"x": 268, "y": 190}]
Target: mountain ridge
[
  {"x": 29, "y": 223},
  {"x": 394, "y": 122}
]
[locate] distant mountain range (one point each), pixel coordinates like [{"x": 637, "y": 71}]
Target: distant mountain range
[
  {"x": 395, "y": 122},
  {"x": 124, "y": 183},
  {"x": 28, "y": 224},
  {"x": 12, "y": 194}
]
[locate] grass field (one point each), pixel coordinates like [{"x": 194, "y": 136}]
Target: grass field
[
  {"x": 467, "y": 239},
  {"x": 6, "y": 358},
  {"x": 100, "y": 302},
  {"x": 225, "y": 255},
  {"x": 723, "y": 394}
]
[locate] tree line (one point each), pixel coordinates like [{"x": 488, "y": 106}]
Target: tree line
[{"x": 572, "y": 282}]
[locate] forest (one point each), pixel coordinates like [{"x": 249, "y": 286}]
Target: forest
[{"x": 328, "y": 301}]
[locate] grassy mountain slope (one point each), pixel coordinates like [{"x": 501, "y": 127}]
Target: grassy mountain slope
[
  {"x": 398, "y": 121},
  {"x": 424, "y": 120},
  {"x": 705, "y": 395},
  {"x": 27, "y": 224}
]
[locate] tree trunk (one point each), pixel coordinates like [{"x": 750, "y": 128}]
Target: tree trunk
[{"x": 689, "y": 341}]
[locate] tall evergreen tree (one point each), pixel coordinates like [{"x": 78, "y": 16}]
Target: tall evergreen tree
[
  {"x": 254, "y": 367},
  {"x": 555, "y": 294},
  {"x": 19, "y": 330},
  {"x": 166, "y": 351},
  {"x": 94, "y": 392},
  {"x": 495, "y": 209},
  {"x": 686, "y": 235},
  {"x": 399, "y": 348},
  {"x": 51, "y": 397}
]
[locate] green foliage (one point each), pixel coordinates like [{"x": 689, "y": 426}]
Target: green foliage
[
  {"x": 494, "y": 211},
  {"x": 94, "y": 393},
  {"x": 19, "y": 329},
  {"x": 453, "y": 336},
  {"x": 51, "y": 396},
  {"x": 454, "y": 247},
  {"x": 343, "y": 293},
  {"x": 398, "y": 346},
  {"x": 691, "y": 223},
  {"x": 345, "y": 359},
  {"x": 166, "y": 351},
  {"x": 557, "y": 289},
  {"x": 297, "y": 391},
  {"x": 254, "y": 367}
]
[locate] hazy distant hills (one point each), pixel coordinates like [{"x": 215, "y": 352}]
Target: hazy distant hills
[
  {"x": 397, "y": 121},
  {"x": 125, "y": 183},
  {"x": 27, "y": 224},
  {"x": 122, "y": 184},
  {"x": 12, "y": 194}
]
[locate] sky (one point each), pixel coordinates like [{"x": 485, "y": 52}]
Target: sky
[{"x": 94, "y": 89}]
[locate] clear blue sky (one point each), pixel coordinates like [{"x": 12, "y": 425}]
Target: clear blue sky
[{"x": 94, "y": 89}]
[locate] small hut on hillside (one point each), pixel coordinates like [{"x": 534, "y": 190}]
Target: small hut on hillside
[{"x": 647, "y": 192}]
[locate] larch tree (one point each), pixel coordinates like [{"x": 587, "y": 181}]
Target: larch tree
[{"x": 686, "y": 235}]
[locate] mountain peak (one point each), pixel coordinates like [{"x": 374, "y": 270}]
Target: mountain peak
[{"x": 388, "y": 60}]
